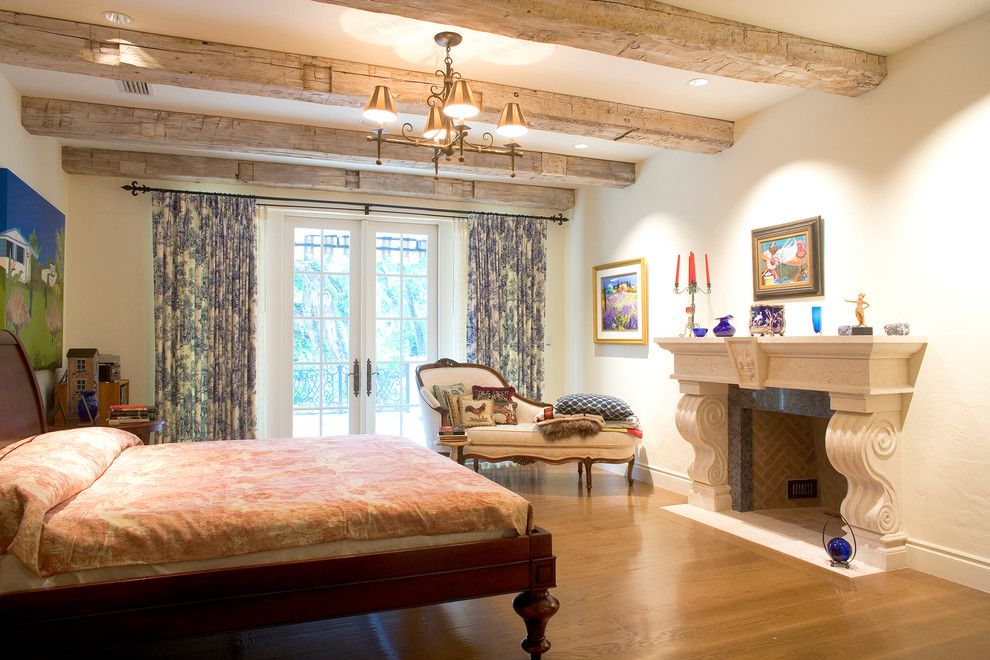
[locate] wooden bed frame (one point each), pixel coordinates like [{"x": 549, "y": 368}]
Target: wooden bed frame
[{"x": 106, "y": 614}]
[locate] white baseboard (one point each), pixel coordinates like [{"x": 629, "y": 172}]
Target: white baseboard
[
  {"x": 962, "y": 567},
  {"x": 672, "y": 481}
]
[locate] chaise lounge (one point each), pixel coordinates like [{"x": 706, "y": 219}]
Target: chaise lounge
[{"x": 523, "y": 442}]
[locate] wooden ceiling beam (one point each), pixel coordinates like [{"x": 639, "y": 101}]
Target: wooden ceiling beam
[
  {"x": 139, "y": 126},
  {"x": 171, "y": 167},
  {"x": 108, "y": 52},
  {"x": 658, "y": 33}
]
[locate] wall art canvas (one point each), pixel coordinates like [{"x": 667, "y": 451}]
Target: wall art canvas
[
  {"x": 787, "y": 260},
  {"x": 32, "y": 270},
  {"x": 620, "y": 290}
]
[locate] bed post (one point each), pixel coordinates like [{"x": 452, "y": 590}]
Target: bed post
[{"x": 535, "y": 606}]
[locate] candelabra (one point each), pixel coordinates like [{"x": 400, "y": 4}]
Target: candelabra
[{"x": 691, "y": 289}]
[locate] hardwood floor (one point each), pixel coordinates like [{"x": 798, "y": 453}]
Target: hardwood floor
[{"x": 635, "y": 582}]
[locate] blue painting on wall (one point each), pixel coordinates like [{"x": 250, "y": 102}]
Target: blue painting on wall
[{"x": 32, "y": 270}]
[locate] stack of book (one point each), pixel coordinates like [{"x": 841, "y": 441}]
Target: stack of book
[{"x": 130, "y": 414}]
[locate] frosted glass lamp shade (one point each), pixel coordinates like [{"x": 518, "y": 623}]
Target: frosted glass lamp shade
[
  {"x": 380, "y": 107},
  {"x": 437, "y": 126},
  {"x": 511, "y": 124},
  {"x": 461, "y": 103}
]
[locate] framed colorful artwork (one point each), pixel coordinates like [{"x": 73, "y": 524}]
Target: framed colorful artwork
[
  {"x": 621, "y": 313},
  {"x": 787, "y": 260}
]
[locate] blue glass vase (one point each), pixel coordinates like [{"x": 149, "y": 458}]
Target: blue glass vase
[
  {"x": 724, "y": 328},
  {"x": 88, "y": 407},
  {"x": 816, "y": 319}
]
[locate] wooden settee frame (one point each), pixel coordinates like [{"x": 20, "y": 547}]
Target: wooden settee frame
[{"x": 115, "y": 613}]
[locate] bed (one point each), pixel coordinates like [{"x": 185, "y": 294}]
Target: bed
[{"x": 92, "y": 553}]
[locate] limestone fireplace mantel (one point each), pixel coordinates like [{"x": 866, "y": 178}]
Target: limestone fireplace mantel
[{"x": 869, "y": 381}]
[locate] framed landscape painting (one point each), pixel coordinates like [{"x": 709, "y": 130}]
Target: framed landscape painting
[
  {"x": 787, "y": 260},
  {"x": 620, "y": 302},
  {"x": 32, "y": 273}
]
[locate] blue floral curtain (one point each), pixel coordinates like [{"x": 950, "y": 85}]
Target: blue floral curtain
[
  {"x": 507, "y": 270},
  {"x": 205, "y": 249}
]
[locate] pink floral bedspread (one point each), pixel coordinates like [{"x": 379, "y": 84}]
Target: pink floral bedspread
[{"x": 190, "y": 501}]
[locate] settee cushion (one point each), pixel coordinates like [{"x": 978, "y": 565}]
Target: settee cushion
[
  {"x": 609, "y": 407},
  {"x": 528, "y": 436}
]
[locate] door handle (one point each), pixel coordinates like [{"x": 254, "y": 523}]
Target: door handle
[
  {"x": 370, "y": 374},
  {"x": 355, "y": 375}
]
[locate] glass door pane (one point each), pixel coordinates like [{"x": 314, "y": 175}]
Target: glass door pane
[
  {"x": 403, "y": 330},
  {"x": 322, "y": 329}
]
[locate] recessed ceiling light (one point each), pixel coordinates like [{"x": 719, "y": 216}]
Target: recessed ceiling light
[
  {"x": 698, "y": 82},
  {"x": 117, "y": 18},
  {"x": 580, "y": 145}
]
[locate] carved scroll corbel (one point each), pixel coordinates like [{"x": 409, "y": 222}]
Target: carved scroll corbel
[{"x": 701, "y": 419}]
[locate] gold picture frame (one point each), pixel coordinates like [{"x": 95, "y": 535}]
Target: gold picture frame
[
  {"x": 621, "y": 302},
  {"x": 788, "y": 260}
]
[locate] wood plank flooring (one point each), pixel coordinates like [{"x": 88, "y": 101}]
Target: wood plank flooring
[{"x": 635, "y": 582}]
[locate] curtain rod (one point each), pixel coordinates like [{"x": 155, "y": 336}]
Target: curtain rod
[{"x": 423, "y": 211}]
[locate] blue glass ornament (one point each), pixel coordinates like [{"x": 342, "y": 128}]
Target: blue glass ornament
[
  {"x": 840, "y": 551},
  {"x": 700, "y": 332},
  {"x": 816, "y": 319}
]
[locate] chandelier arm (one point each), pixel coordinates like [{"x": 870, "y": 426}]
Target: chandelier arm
[
  {"x": 406, "y": 129},
  {"x": 488, "y": 138}
]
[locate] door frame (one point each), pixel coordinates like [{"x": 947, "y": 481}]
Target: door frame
[{"x": 275, "y": 305}]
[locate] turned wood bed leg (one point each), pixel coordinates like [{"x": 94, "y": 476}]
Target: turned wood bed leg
[
  {"x": 587, "y": 470},
  {"x": 629, "y": 470},
  {"x": 476, "y": 464},
  {"x": 535, "y": 607},
  {"x": 580, "y": 469}
]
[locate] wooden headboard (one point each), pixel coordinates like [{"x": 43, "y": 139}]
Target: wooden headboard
[{"x": 21, "y": 411}]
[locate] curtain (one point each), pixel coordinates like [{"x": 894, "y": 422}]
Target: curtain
[
  {"x": 205, "y": 254},
  {"x": 507, "y": 271}
]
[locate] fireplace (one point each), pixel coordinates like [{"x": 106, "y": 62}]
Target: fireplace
[
  {"x": 776, "y": 450},
  {"x": 854, "y": 390}
]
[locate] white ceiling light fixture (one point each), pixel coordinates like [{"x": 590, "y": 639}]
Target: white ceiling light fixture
[
  {"x": 698, "y": 82},
  {"x": 580, "y": 145},
  {"x": 117, "y": 17},
  {"x": 450, "y": 103}
]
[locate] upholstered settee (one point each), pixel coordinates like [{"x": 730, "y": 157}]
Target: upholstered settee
[{"x": 522, "y": 442}]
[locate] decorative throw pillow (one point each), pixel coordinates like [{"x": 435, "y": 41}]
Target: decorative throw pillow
[
  {"x": 475, "y": 412},
  {"x": 504, "y": 412},
  {"x": 493, "y": 393},
  {"x": 609, "y": 407},
  {"x": 440, "y": 393}
]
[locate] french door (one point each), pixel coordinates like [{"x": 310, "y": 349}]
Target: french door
[{"x": 362, "y": 310}]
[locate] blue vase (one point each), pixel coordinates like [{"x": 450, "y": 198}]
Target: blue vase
[
  {"x": 88, "y": 407},
  {"x": 724, "y": 328},
  {"x": 816, "y": 319}
]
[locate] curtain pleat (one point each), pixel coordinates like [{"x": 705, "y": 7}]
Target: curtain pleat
[
  {"x": 506, "y": 298},
  {"x": 205, "y": 252}
]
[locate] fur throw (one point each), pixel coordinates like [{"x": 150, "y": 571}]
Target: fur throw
[{"x": 566, "y": 426}]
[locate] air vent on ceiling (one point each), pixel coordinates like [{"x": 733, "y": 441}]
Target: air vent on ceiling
[{"x": 134, "y": 87}]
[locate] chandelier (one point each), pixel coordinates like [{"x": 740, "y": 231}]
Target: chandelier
[{"x": 450, "y": 105}]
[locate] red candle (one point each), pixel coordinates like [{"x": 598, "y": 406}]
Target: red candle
[
  {"x": 677, "y": 273},
  {"x": 708, "y": 275},
  {"x": 692, "y": 276}
]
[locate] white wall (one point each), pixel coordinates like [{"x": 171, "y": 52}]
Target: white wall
[
  {"x": 110, "y": 282},
  {"x": 900, "y": 176},
  {"x": 38, "y": 162}
]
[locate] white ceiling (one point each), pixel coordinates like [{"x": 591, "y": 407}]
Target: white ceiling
[{"x": 303, "y": 26}]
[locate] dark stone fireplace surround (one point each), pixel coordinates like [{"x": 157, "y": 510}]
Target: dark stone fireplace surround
[{"x": 742, "y": 403}]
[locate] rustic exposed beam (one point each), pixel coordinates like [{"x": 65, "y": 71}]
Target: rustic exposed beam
[
  {"x": 170, "y": 167},
  {"x": 658, "y": 33},
  {"x": 118, "y": 124},
  {"x": 108, "y": 52}
]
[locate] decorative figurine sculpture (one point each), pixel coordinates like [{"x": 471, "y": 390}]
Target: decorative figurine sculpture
[{"x": 861, "y": 305}]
